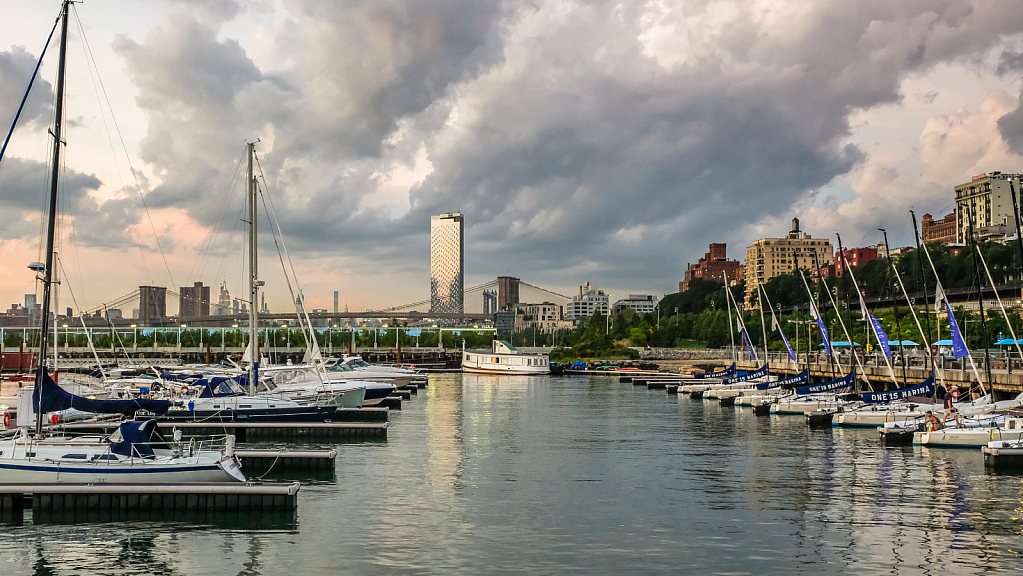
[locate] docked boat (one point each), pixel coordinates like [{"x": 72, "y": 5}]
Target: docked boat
[
  {"x": 503, "y": 358},
  {"x": 134, "y": 453},
  {"x": 223, "y": 399}
]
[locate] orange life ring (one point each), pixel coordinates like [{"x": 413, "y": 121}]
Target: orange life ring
[
  {"x": 7, "y": 419},
  {"x": 955, "y": 394},
  {"x": 184, "y": 389}
]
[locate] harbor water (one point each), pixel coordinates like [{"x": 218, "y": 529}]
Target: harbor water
[{"x": 584, "y": 475}]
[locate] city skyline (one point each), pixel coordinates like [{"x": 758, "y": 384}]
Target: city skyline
[{"x": 613, "y": 157}]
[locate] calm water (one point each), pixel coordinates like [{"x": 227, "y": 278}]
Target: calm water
[{"x": 518, "y": 475}]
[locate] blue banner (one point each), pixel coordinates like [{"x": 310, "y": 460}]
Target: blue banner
[
  {"x": 959, "y": 349},
  {"x": 801, "y": 378},
  {"x": 824, "y": 335},
  {"x": 924, "y": 388},
  {"x": 882, "y": 336},
  {"x": 758, "y": 373},
  {"x": 846, "y": 381},
  {"x": 749, "y": 346}
]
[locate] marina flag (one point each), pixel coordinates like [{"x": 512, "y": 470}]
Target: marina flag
[
  {"x": 820, "y": 325},
  {"x": 882, "y": 336},
  {"x": 775, "y": 326},
  {"x": 749, "y": 346},
  {"x": 959, "y": 349}
]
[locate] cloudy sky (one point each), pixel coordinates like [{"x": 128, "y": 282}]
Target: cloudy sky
[{"x": 607, "y": 142}]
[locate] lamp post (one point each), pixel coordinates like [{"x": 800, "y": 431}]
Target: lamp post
[
  {"x": 134, "y": 337},
  {"x": 287, "y": 338},
  {"x": 66, "y": 344},
  {"x": 375, "y": 332},
  {"x": 179, "y": 335}
]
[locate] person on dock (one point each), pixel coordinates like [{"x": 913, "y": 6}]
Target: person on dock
[
  {"x": 975, "y": 392},
  {"x": 931, "y": 422},
  {"x": 950, "y": 410}
]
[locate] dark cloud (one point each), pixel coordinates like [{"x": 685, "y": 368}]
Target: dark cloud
[
  {"x": 16, "y": 66},
  {"x": 617, "y": 137},
  {"x": 24, "y": 199},
  {"x": 1011, "y": 128}
]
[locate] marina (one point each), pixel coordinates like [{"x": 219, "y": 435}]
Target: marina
[{"x": 677, "y": 481}]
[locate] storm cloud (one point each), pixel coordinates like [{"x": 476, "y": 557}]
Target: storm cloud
[{"x": 596, "y": 138}]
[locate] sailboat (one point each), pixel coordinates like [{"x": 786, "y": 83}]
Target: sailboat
[{"x": 135, "y": 452}]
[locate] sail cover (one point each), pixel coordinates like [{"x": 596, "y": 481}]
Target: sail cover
[
  {"x": 722, "y": 374},
  {"x": 54, "y": 399},
  {"x": 134, "y": 439},
  {"x": 922, "y": 389},
  {"x": 758, "y": 373},
  {"x": 833, "y": 386},
  {"x": 801, "y": 378}
]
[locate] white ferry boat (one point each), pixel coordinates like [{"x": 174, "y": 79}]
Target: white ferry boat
[{"x": 504, "y": 359}]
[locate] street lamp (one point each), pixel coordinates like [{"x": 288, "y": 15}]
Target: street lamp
[
  {"x": 134, "y": 337},
  {"x": 179, "y": 335},
  {"x": 287, "y": 337},
  {"x": 66, "y": 344}
]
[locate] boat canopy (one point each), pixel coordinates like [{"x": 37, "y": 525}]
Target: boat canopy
[
  {"x": 134, "y": 439},
  {"x": 841, "y": 343},
  {"x": 846, "y": 381},
  {"x": 222, "y": 386},
  {"x": 922, "y": 389},
  {"x": 54, "y": 399},
  {"x": 942, "y": 343}
]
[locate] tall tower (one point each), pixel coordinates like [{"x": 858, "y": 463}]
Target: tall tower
[{"x": 447, "y": 277}]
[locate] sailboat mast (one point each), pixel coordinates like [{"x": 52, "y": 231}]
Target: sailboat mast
[
  {"x": 58, "y": 124},
  {"x": 253, "y": 278}
]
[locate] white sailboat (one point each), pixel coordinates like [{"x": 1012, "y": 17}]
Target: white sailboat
[{"x": 132, "y": 454}]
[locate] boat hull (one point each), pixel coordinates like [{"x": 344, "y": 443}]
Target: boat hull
[{"x": 62, "y": 472}]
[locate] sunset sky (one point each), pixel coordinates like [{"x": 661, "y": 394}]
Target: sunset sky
[{"x": 607, "y": 142}]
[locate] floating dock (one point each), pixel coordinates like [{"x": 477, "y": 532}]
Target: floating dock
[
  {"x": 193, "y": 497},
  {"x": 286, "y": 459},
  {"x": 1005, "y": 458}
]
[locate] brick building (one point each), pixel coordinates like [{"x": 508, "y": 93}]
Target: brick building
[
  {"x": 943, "y": 230},
  {"x": 713, "y": 266},
  {"x": 855, "y": 257}
]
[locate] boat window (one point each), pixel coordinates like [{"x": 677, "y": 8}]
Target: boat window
[
  {"x": 216, "y": 405},
  {"x": 245, "y": 405},
  {"x": 74, "y": 457},
  {"x": 30, "y": 454},
  {"x": 497, "y": 360}
]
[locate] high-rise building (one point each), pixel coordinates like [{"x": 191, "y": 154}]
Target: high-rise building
[
  {"x": 985, "y": 203},
  {"x": 335, "y": 301},
  {"x": 152, "y": 303},
  {"x": 447, "y": 276},
  {"x": 641, "y": 303},
  {"x": 770, "y": 257},
  {"x": 194, "y": 301},
  {"x": 224, "y": 301},
  {"x": 30, "y": 301}
]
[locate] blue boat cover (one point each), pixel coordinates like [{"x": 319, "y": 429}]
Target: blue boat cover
[
  {"x": 221, "y": 386},
  {"x": 722, "y": 374},
  {"x": 922, "y": 389},
  {"x": 758, "y": 373},
  {"x": 846, "y": 381},
  {"x": 134, "y": 439},
  {"x": 55, "y": 399},
  {"x": 801, "y": 378}
]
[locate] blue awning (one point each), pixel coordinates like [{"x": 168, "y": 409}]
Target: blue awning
[
  {"x": 842, "y": 343},
  {"x": 1007, "y": 342},
  {"x": 942, "y": 343},
  {"x": 902, "y": 342}
]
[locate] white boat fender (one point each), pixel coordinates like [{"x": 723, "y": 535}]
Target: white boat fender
[
  {"x": 177, "y": 434},
  {"x": 229, "y": 446}
]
